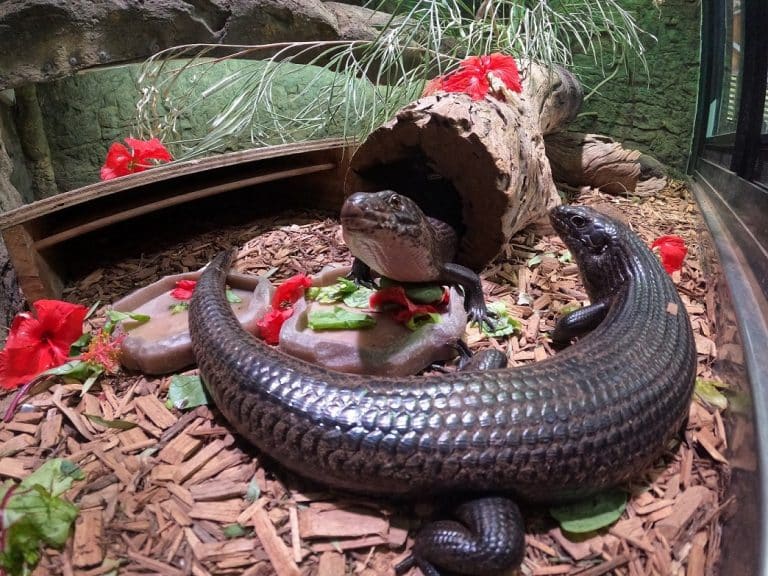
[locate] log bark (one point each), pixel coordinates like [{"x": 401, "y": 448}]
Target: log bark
[
  {"x": 43, "y": 40},
  {"x": 480, "y": 165},
  {"x": 599, "y": 162}
]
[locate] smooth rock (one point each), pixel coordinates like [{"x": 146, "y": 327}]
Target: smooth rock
[
  {"x": 388, "y": 348},
  {"x": 163, "y": 344}
]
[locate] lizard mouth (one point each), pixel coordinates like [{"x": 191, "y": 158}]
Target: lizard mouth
[{"x": 355, "y": 217}]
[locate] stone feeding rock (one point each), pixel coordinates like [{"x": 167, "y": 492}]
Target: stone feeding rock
[
  {"x": 388, "y": 348},
  {"x": 163, "y": 344}
]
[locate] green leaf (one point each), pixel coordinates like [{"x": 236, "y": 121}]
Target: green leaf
[
  {"x": 339, "y": 318},
  {"x": 708, "y": 392},
  {"x": 56, "y": 476},
  {"x": 186, "y": 392},
  {"x": 420, "y": 293},
  {"x": 117, "y": 424},
  {"x": 424, "y": 293},
  {"x": 92, "y": 309},
  {"x": 233, "y": 298},
  {"x": 80, "y": 344},
  {"x": 235, "y": 531},
  {"x": 117, "y": 317},
  {"x": 360, "y": 298},
  {"x": 76, "y": 369},
  {"x": 591, "y": 514},
  {"x": 96, "y": 371},
  {"x": 35, "y": 516},
  {"x": 114, "y": 318},
  {"x": 254, "y": 491},
  {"x": 566, "y": 257},
  {"x": 533, "y": 261},
  {"x": 333, "y": 293},
  {"x": 418, "y": 320},
  {"x": 503, "y": 323},
  {"x": 178, "y": 307}
]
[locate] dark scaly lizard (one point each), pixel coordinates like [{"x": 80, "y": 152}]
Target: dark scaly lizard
[{"x": 590, "y": 417}]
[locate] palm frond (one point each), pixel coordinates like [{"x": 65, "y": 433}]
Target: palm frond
[{"x": 300, "y": 90}]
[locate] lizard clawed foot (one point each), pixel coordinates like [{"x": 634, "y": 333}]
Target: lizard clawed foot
[{"x": 480, "y": 314}]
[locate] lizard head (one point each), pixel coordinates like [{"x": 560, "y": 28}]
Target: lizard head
[
  {"x": 384, "y": 212},
  {"x": 596, "y": 243},
  {"x": 390, "y": 233}
]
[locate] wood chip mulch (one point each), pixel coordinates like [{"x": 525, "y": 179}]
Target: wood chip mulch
[{"x": 180, "y": 495}]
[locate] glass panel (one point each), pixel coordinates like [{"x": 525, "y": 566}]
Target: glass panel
[{"x": 724, "y": 110}]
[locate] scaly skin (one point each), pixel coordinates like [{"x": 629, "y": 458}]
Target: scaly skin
[
  {"x": 590, "y": 417},
  {"x": 388, "y": 233}
]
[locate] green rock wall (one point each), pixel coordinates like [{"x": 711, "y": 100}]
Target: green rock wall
[
  {"x": 652, "y": 112},
  {"x": 85, "y": 113}
]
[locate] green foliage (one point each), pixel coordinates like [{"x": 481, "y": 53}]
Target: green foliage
[
  {"x": 351, "y": 87},
  {"x": 339, "y": 318},
  {"x": 708, "y": 391},
  {"x": 591, "y": 514},
  {"x": 186, "y": 392},
  {"x": 503, "y": 323},
  {"x": 35, "y": 515}
]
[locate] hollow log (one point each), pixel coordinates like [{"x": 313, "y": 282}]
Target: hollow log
[
  {"x": 480, "y": 165},
  {"x": 598, "y": 161}
]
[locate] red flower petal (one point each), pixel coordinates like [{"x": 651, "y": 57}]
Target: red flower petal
[
  {"x": 433, "y": 86},
  {"x": 406, "y": 309},
  {"x": 290, "y": 291},
  {"x": 472, "y": 76},
  {"x": 117, "y": 162},
  {"x": 152, "y": 149},
  {"x": 20, "y": 365},
  {"x": 271, "y": 323},
  {"x": 468, "y": 81},
  {"x": 672, "y": 250},
  {"x": 37, "y": 344},
  {"x": 505, "y": 69},
  {"x": 184, "y": 289},
  {"x": 25, "y": 331},
  {"x": 142, "y": 155},
  {"x": 62, "y": 324}
]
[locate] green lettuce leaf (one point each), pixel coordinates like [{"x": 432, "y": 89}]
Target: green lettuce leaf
[
  {"x": 339, "y": 318},
  {"x": 186, "y": 392},
  {"x": 503, "y": 323},
  {"x": 591, "y": 514},
  {"x": 34, "y": 515}
]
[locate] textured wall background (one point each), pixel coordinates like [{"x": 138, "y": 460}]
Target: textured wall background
[
  {"x": 653, "y": 113},
  {"x": 83, "y": 114}
]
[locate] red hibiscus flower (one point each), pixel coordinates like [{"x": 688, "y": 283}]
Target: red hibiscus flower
[
  {"x": 36, "y": 344},
  {"x": 434, "y": 86},
  {"x": 672, "y": 250},
  {"x": 184, "y": 289},
  {"x": 141, "y": 155},
  {"x": 474, "y": 74},
  {"x": 404, "y": 308},
  {"x": 283, "y": 300}
]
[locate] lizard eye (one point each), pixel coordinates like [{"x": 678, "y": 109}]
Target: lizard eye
[
  {"x": 395, "y": 201},
  {"x": 578, "y": 221}
]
